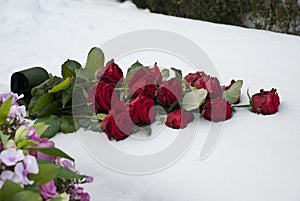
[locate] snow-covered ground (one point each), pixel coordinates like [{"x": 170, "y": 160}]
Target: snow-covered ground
[{"x": 257, "y": 158}]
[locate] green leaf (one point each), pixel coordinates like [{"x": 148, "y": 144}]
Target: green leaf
[
  {"x": 178, "y": 74},
  {"x": 45, "y": 86},
  {"x": 194, "y": 99},
  {"x": 21, "y": 133},
  {"x": 51, "y": 109},
  {"x": 95, "y": 61},
  {"x": 61, "y": 197},
  {"x": 9, "y": 188},
  {"x": 53, "y": 123},
  {"x": 25, "y": 143},
  {"x": 47, "y": 172},
  {"x": 40, "y": 127},
  {"x": 68, "y": 174},
  {"x": 4, "y": 138},
  {"x": 67, "y": 94},
  {"x": 25, "y": 196},
  {"x": 51, "y": 152},
  {"x": 233, "y": 93},
  {"x": 165, "y": 74},
  {"x": 132, "y": 70},
  {"x": 68, "y": 68},
  {"x": 4, "y": 110},
  {"x": 67, "y": 124},
  {"x": 40, "y": 104},
  {"x": 101, "y": 116},
  {"x": 61, "y": 86},
  {"x": 82, "y": 78}
]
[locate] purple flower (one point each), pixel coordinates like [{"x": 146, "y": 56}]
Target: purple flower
[
  {"x": 4, "y": 97},
  {"x": 10, "y": 175},
  {"x": 46, "y": 143},
  {"x": 28, "y": 166},
  {"x": 78, "y": 194},
  {"x": 11, "y": 156},
  {"x": 67, "y": 164},
  {"x": 48, "y": 190},
  {"x": 33, "y": 135},
  {"x": 17, "y": 112},
  {"x": 89, "y": 179}
]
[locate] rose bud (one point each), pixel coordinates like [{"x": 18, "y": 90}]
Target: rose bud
[
  {"x": 216, "y": 110},
  {"x": 141, "y": 110},
  {"x": 117, "y": 124},
  {"x": 265, "y": 102},
  {"x": 110, "y": 74},
  {"x": 105, "y": 97},
  {"x": 179, "y": 119},
  {"x": 169, "y": 92},
  {"x": 211, "y": 84},
  {"x": 144, "y": 82}
]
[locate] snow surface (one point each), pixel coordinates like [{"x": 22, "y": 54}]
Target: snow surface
[{"x": 257, "y": 158}]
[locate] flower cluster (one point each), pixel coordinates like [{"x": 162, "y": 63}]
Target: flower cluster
[
  {"x": 31, "y": 164},
  {"x": 125, "y": 102}
]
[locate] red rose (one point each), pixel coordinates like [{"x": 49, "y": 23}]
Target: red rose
[
  {"x": 144, "y": 82},
  {"x": 105, "y": 97},
  {"x": 211, "y": 84},
  {"x": 191, "y": 78},
  {"x": 117, "y": 124},
  {"x": 265, "y": 102},
  {"x": 147, "y": 90},
  {"x": 179, "y": 119},
  {"x": 169, "y": 92},
  {"x": 216, "y": 110},
  {"x": 111, "y": 73},
  {"x": 141, "y": 110}
]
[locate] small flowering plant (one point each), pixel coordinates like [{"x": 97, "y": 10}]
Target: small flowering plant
[{"x": 31, "y": 167}]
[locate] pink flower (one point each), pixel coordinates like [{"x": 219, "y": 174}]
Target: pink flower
[
  {"x": 48, "y": 190},
  {"x": 11, "y": 156}
]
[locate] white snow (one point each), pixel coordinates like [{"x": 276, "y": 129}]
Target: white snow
[{"x": 257, "y": 158}]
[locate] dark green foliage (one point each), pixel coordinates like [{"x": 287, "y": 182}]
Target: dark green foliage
[{"x": 274, "y": 15}]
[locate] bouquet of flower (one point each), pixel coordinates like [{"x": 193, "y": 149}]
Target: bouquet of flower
[
  {"x": 123, "y": 103},
  {"x": 31, "y": 167},
  {"x": 101, "y": 98}
]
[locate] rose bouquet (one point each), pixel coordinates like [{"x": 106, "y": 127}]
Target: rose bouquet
[
  {"x": 180, "y": 97},
  {"x": 32, "y": 168},
  {"x": 101, "y": 98}
]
